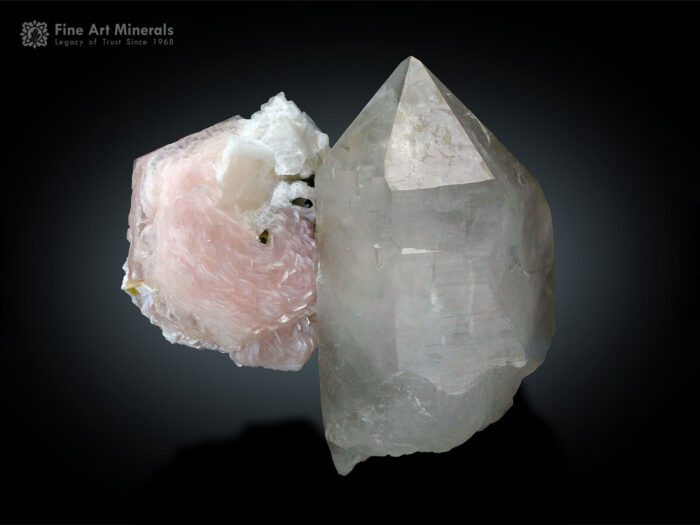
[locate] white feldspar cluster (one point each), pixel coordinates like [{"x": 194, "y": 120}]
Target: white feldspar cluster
[
  {"x": 222, "y": 252},
  {"x": 435, "y": 281}
]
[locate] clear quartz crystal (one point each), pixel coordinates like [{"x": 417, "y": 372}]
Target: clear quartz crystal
[{"x": 436, "y": 274}]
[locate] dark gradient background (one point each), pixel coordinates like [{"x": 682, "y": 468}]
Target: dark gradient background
[{"x": 103, "y": 420}]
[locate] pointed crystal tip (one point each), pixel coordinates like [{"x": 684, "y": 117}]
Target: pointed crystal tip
[{"x": 429, "y": 145}]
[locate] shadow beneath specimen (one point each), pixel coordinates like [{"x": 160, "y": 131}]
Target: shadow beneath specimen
[{"x": 283, "y": 473}]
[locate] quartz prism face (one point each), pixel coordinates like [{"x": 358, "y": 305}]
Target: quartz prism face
[
  {"x": 435, "y": 283},
  {"x": 222, "y": 251}
]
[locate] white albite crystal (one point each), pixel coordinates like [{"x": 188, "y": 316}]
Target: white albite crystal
[{"x": 435, "y": 283}]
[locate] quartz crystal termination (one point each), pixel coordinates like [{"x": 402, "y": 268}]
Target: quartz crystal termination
[
  {"x": 222, "y": 253},
  {"x": 435, "y": 283}
]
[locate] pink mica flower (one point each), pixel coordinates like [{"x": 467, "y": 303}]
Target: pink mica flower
[{"x": 222, "y": 256}]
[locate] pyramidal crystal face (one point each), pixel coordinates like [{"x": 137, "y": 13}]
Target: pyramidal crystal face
[
  {"x": 222, "y": 251},
  {"x": 435, "y": 282}
]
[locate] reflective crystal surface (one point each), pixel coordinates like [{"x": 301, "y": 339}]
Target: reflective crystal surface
[{"x": 435, "y": 283}]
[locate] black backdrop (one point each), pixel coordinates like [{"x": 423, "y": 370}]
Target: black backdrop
[{"x": 102, "y": 420}]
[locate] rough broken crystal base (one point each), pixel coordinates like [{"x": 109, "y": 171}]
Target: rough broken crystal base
[{"x": 435, "y": 284}]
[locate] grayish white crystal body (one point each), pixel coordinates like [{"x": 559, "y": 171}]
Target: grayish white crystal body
[{"x": 435, "y": 282}]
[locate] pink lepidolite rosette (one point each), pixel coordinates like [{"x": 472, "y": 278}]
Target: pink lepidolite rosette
[{"x": 222, "y": 254}]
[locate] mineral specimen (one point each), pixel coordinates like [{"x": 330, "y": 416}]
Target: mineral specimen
[
  {"x": 435, "y": 282},
  {"x": 222, "y": 251}
]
